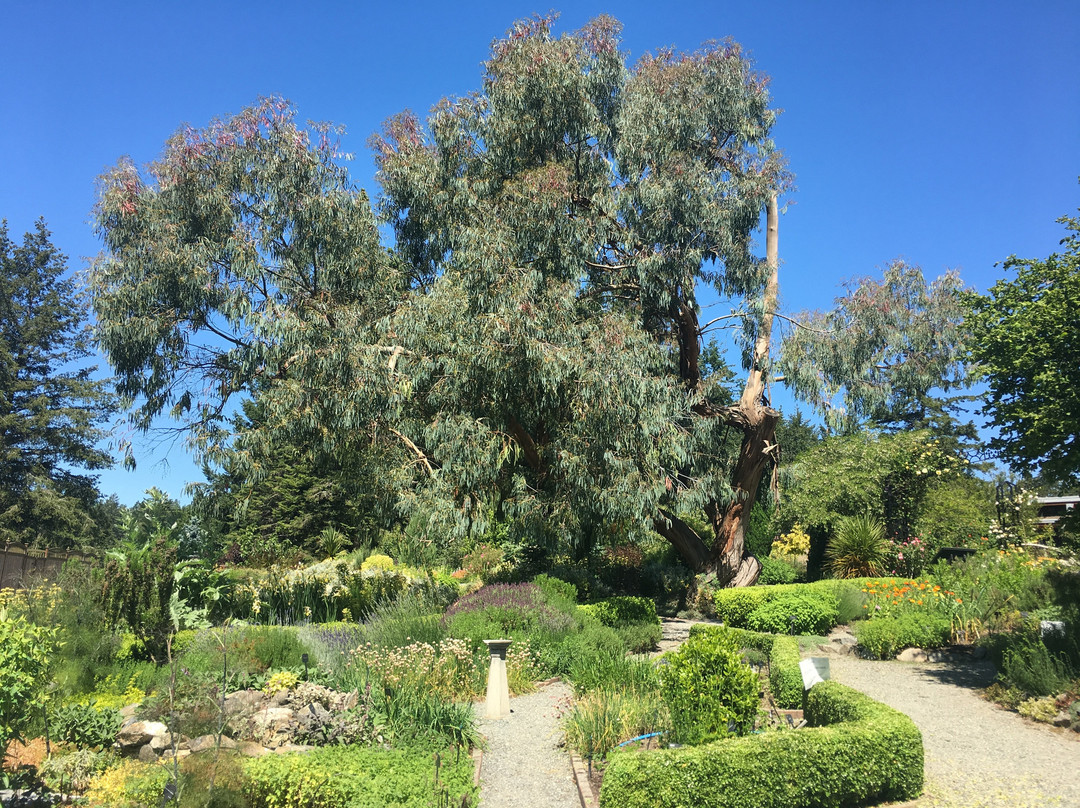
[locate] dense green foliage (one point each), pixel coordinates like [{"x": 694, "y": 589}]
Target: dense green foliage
[
  {"x": 85, "y": 725},
  {"x": 795, "y": 613},
  {"x": 883, "y": 637},
  {"x": 708, "y": 689},
  {"x": 815, "y": 604},
  {"x": 776, "y": 571},
  {"x": 857, "y": 751},
  {"x": 1026, "y": 341},
  {"x": 51, "y": 410},
  {"x": 623, "y": 609},
  {"x": 137, "y": 591},
  {"x": 785, "y": 676},
  {"x": 25, "y": 650},
  {"x": 357, "y": 778},
  {"x": 529, "y": 353}
]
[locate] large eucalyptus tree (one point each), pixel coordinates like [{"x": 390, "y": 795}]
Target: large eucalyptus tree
[{"x": 531, "y": 344}]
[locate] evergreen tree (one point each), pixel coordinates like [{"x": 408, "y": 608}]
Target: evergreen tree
[
  {"x": 50, "y": 407},
  {"x": 532, "y": 349}
]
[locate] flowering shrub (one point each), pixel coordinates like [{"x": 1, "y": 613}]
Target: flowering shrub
[
  {"x": 513, "y": 608},
  {"x": 907, "y": 558},
  {"x": 796, "y": 542},
  {"x": 482, "y": 562}
]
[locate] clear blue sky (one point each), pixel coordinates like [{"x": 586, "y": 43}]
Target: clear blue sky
[{"x": 945, "y": 133}]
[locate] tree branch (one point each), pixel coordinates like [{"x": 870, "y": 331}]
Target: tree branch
[{"x": 420, "y": 456}]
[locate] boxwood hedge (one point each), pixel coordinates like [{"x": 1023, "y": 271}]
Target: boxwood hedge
[
  {"x": 855, "y": 751},
  {"x": 785, "y": 677}
]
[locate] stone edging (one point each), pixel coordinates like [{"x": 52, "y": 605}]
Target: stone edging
[
  {"x": 581, "y": 779},
  {"x": 478, "y": 761}
]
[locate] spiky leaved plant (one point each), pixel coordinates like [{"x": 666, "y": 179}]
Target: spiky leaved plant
[{"x": 857, "y": 548}]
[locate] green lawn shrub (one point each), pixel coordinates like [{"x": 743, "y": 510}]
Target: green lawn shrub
[
  {"x": 884, "y": 637},
  {"x": 358, "y": 777},
  {"x": 795, "y": 613},
  {"x": 856, "y": 751},
  {"x": 708, "y": 688},
  {"x": 733, "y": 607},
  {"x": 785, "y": 676},
  {"x": 640, "y": 638},
  {"x": 556, "y": 589},
  {"x": 776, "y": 571},
  {"x": 623, "y": 609}
]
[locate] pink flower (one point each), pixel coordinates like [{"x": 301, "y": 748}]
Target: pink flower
[{"x": 900, "y": 556}]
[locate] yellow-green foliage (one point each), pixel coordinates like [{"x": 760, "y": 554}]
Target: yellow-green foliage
[
  {"x": 132, "y": 784},
  {"x": 358, "y": 777},
  {"x": 282, "y": 680},
  {"x": 857, "y": 751},
  {"x": 377, "y": 561},
  {"x": 1038, "y": 709},
  {"x": 115, "y": 691},
  {"x": 796, "y": 542}
]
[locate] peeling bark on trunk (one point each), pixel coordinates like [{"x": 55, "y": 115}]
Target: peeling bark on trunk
[
  {"x": 728, "y": 559},
  {"x": 690, "y": 546},
  {"x": 756, "y": 419}
]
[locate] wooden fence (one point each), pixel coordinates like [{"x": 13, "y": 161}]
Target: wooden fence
[{"x": 19, "y": 563}]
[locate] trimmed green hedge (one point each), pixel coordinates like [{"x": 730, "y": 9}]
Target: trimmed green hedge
[
  {"x": 734, "y": 606},
  {"x": 785, "y": 677},
  {"x": 855, "y": 751},
  {"x": 622, "y": 610}
]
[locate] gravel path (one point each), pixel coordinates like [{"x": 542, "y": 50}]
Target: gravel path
[
  {"x": 524, "y": 763},
  {"x": 977, "y": 755}
]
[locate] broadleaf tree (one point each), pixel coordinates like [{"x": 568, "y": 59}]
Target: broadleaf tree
[
  {"x": 531, "y": 345},
  {"x": 1026, "y": 343}
]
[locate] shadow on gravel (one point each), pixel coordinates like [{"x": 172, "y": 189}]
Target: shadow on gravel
[{"x": 971, "y": 675}]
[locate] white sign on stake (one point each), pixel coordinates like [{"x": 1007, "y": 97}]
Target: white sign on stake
[{"x": 814, "y": 670}]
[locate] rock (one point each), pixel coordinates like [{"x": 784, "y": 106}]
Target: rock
[
  {"x": 286, "y": 748},
  {"x": 147, "y": 753},
  {"x": 162, "y": 742},
  {"x": 201, "y": 744},
  {"x": 139, "y": 733},
  {"x": 1062, "y": 719},
  {"x": 205, "y": 742},
  {"x": 128, "y": 711},
  {"x": 912, "y": 655},
  {"x": 252, "y": 749},
  {"x": 243, "y": 701},
  {"x": 279, "y": 698}
]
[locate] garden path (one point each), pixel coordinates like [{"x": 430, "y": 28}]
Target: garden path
[
  {"x": 525, "y": 764},
  {"x": 977, "y": 755}
]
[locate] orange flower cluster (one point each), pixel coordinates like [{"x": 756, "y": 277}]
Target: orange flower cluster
[{"x": 891, "y": 595}]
